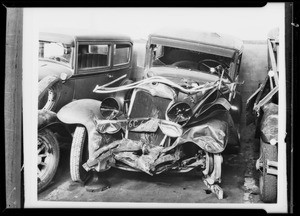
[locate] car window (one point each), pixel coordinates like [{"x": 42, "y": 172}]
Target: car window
[
  {"x": 121, "y": 54},
  {"x": 93, "y": 56},
  {"x": 186, "y": 59},
  {"x": 54, "y": 51}
]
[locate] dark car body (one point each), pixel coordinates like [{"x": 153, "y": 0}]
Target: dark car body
[
  {"x": 177, "y": 118},
  {"x": 83, "y": 62}
]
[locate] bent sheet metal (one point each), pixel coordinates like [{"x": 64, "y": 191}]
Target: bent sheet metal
[{"x": 152, "y": 158}]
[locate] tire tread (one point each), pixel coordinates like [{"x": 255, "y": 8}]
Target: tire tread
[{"x": 76, "y": 153}]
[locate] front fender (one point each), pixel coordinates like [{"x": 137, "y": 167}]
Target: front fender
[
  {"x": 82, "y": 111},
  {"x": 45, "y": 83},
  {"x": 46, "y": 117}
]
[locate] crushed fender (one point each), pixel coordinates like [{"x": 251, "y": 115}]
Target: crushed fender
[{"x": 152, "y": 158}]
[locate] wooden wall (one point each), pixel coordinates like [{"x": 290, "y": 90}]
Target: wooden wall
[{"x": 13, "y": 107}]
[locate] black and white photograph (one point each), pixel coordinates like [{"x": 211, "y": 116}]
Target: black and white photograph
[{"x": 155, "y": 107}]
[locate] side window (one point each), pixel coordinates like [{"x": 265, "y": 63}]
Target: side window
[
  {"x": 122, "y": 54},
  {"x": 93, "y": 56}
]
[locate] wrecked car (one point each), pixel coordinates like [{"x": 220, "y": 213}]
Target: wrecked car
[
  {"x": 262, "y": 109},
  {"x": 181, "y": 116},
  {"x": 69, "y": 68}
]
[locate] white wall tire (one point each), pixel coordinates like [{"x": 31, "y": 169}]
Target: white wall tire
[{"x": 79, "y": 154}]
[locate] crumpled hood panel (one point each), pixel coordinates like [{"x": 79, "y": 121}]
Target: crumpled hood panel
[{"x": 149, "y": 142}]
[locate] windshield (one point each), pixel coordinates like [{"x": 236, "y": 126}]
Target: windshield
[
  {"x": 188, "y": 59},
  {"x": 58, "y": 52}
]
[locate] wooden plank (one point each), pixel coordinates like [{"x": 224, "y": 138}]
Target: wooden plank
[{"x": 13, "y": 107}]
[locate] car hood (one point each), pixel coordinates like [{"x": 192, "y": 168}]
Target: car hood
[
  {"x": 179, "y": 75},
  {"x": 47, "y": 68}
]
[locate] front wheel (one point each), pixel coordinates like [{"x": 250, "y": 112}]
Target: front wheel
[
  {"x": 268, "y": 182},
  {"x": 48, "y": 158},
  {"x": 79, "y": 154}
]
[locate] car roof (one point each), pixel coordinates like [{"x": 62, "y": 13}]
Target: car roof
[
  {"x": 197, "y": 38},
  {"x": 71, "y": 38}
]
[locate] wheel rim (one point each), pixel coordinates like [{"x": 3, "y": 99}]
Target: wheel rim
[
  {"x": 45, "y": 158},
  {"x": 50, "y": 99}
]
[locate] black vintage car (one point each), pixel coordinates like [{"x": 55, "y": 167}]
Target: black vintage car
[
  {"x": 181, "y": 116},
  {"x": 69, "y": 68},
  {"x": 71, "y": 65}
]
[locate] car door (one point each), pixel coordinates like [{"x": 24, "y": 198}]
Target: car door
[{"x": 100, "y": 63}]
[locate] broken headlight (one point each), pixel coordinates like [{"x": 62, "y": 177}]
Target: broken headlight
[
  {"x": 109, "y": 108},
  {"x": 179, "y": 112}
]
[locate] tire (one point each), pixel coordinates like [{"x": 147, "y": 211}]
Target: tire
[
  {"x": 79, "y": 154},
  {"x": 48, "y": 158},
  {"x": 268, "y": 182},
  {"x": 49, "y": 100},
  {"x": 237, "y": 114}
]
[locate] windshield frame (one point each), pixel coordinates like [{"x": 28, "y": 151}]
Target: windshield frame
[
  {"x": 67, "y": 48},
  {"x": 151, "y": 58}
]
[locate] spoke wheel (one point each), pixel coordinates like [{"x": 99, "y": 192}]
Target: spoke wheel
[{"x": 48, "y": 158}]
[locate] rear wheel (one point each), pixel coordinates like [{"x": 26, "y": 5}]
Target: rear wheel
[
  {"x": 79, "y": 154},
  {"x": 48, "y": 158},
  {"x": 268, "y": 182}
]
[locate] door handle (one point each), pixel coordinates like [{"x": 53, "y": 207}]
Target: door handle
[{"x": 109, "y": 76}]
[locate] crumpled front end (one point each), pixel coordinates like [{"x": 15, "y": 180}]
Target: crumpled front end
[
  {"x": 151, "y": 142},
  {"x": 184, "y": 154}
]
